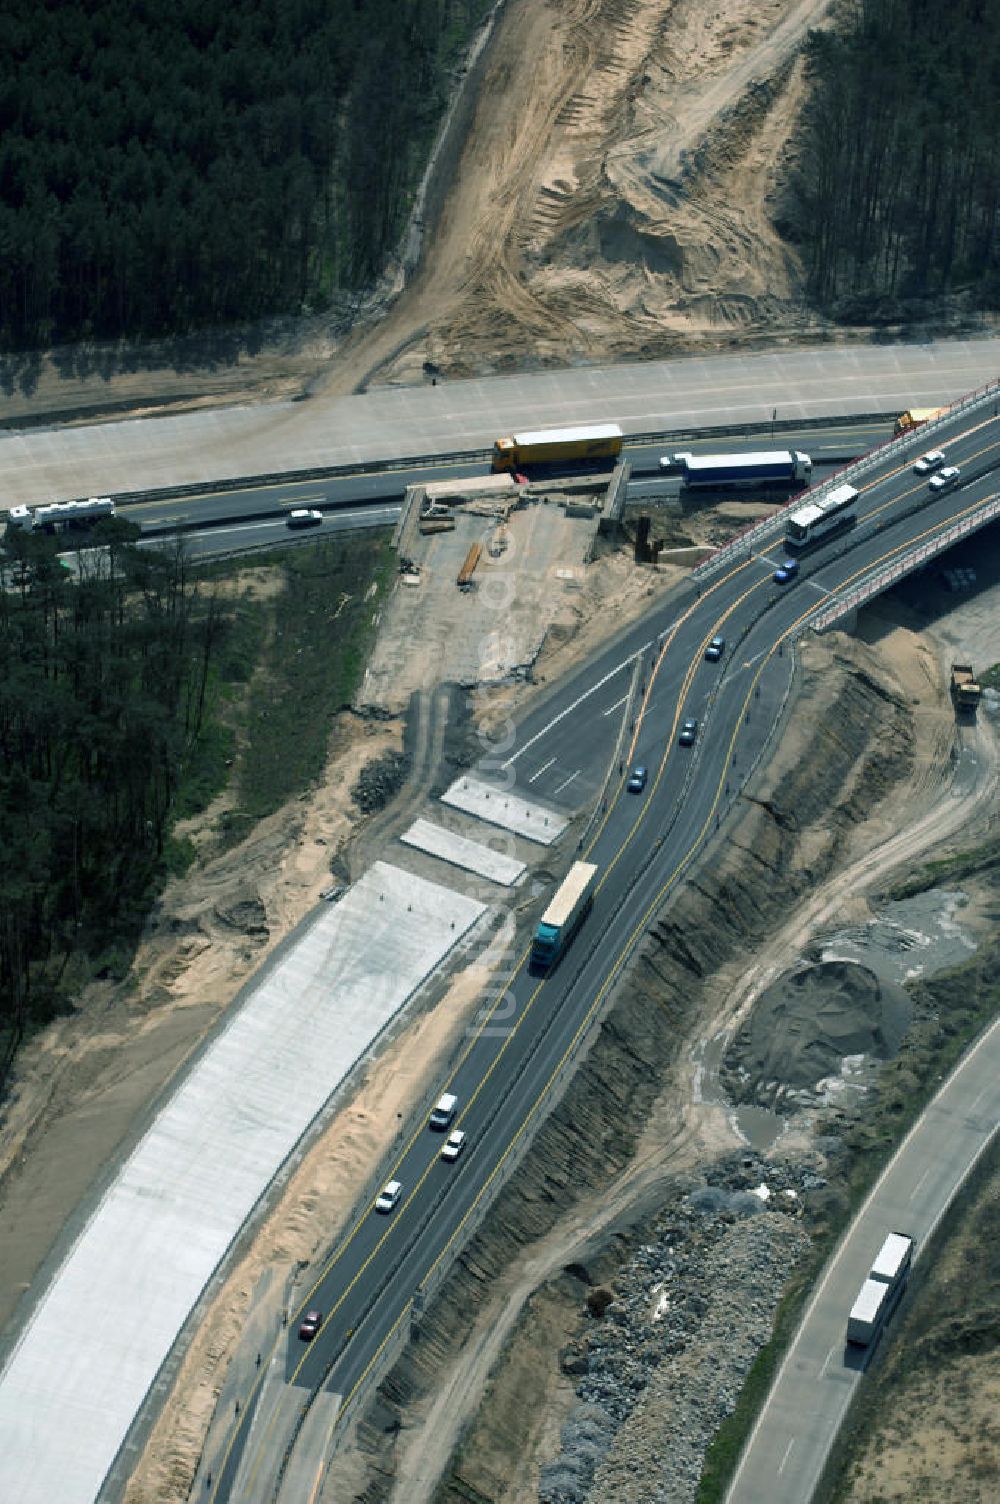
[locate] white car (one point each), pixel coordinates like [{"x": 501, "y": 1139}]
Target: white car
[
  {"x": 945, "y": 479},
  {"x": 928, "y": 462},
  {"x": 390, "y": 1195},
  {"x": 454, "y": 1146},
  {"x": 304, "y": 517}
]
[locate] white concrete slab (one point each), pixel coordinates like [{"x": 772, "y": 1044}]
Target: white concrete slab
[
  {"x": 461, "y": 852},
  {"x": 498, "y": 807},
  {"x": 86, "y": 1359},
  {"x": 105, "y": 459}
]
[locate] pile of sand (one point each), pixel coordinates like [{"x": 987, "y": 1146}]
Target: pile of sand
[{"x": 804, "y": 1026}]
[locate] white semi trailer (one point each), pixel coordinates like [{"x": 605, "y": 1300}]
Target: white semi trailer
[
  {"x": 881, "y": 1291},
  {"x": 60, "y": 515}
]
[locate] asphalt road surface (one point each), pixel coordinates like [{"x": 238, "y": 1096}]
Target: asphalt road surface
[
  {"x": 371, "y": 1286},
  {"x": 820, "y": 1375}
]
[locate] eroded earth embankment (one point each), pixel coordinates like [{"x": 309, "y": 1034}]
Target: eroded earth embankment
[{"x": 846, "y": 740}]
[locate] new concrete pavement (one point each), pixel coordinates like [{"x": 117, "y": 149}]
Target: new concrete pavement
[{"x": 690, "y": 392}]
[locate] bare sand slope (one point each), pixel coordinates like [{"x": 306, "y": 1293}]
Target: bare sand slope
[
  {"x": 612, "y": 200},
  {"x": 612, "y": 197}
]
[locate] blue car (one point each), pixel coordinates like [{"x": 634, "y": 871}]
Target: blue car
[
  {"x": 637, "y": 780},
  {"x": 786, "y": 570}
]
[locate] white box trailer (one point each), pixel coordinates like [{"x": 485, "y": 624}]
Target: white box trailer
[
  {"x": 882, "y": 1290},
  {"x": 868, "y": 1312},
  {"x": 893, "y": 1259}
]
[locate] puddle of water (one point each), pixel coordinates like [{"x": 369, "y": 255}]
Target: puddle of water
[
  {"x": 759, "y": 1126},
  {"x": 915, "y": 937}
]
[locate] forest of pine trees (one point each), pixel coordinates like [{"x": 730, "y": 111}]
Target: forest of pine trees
[
  {"x": 897, "y": 192},
  {"x": 165, "y": 168},
  {"x": 104, "y": 685}
]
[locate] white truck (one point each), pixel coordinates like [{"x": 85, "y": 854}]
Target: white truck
[
  {"x": 60, "y": 515},
  {"x": 881, "y": 1291},
  {"x": 564, "y": 915}
]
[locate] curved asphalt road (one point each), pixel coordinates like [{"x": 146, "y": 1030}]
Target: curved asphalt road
[
  {"x": 644, "y": 846},
  {"x": 819, "y": 1377}
]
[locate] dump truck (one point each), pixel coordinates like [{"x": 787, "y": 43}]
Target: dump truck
[
  {"x": 881, "y": 1291},
  {"x": 564, "y": 915},
  {"x": 914, "y": 416},
  {"x": 966, "y": 691},
  {"x": 769, "y": 467},
  {"x": 554, "y": 446}
]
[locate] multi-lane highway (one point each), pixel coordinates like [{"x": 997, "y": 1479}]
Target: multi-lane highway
[
  {"x": 687, "y": 393},
  {"x": 215, "y": 522},
  {"x": 643, "y": 846}
]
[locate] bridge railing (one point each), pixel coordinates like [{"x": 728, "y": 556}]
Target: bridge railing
[
  {"x": 882, "y": 579},
  {"x": 914, "y": 438}
]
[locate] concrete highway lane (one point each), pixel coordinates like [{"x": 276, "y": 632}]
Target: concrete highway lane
[
  {"x": 644, "y": 846},
  {"x": 232, "y": 537},
  {"x": 680, "y": 395}
]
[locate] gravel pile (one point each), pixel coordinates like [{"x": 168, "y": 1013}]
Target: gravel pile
[
  {"x": 380, "y": 781},
  {"x": 663, "y": 1367}
]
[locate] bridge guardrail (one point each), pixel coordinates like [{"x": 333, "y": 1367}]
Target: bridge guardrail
[
  {"x": 881, "y": 579},
  {"x": 916, "y": 438}
]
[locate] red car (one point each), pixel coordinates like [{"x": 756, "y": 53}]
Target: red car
[{"x": 311, "y": 1324}]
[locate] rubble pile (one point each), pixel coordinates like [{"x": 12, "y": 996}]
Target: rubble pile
[{"x": 664, "y": 1365}]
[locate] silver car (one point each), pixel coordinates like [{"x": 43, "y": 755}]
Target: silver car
[
  {"x": 390, "y": 1195},
  {"x": 945, "y": 479}
]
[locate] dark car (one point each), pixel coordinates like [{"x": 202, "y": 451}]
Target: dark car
[
  {"x": 715, "y": 649},
  {"x": 310, "y": 1325},
  {"x": 637, "y": 780},
  {"x": 786, "y": 570},
  {"x": 689, "y": 731}
]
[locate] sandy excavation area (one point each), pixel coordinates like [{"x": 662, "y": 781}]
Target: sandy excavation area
[
  {"x": 86, "y": 1088},
  {"x": 612, "y": 198}
]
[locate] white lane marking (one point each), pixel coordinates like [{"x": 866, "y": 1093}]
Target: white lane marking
[
  {"x": 568, "y": 781},
  {"x": 826, "y": 1361},
  {"x": 570, "y": 708},
  {"x": 542, "y": 770},
  {"x": 749, "y": 662},
  {"x": 788, "y": 1451},
  {"x": 618, "y": 705},
  {"x": 920, "y": 1182}
]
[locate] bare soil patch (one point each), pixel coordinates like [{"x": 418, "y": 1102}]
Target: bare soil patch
[{"x": 613, "y": 200}]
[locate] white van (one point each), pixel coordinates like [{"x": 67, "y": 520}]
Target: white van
[{"x": 441, "y": 1117}]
